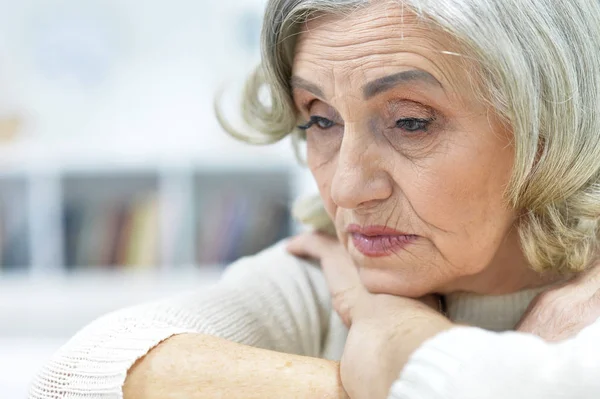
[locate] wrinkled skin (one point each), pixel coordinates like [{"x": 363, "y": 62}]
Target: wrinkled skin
[{"x": 422, "y": 155}]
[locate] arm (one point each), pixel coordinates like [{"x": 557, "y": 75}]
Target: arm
[
  {"x": 384, "y": 329},
  {"x": 447, "y": 361},
  {"x": 236, "y": 371},
  {"x": 271, "y": 301},
  {"x": 468, "y": 362},
  {"x": 532, "y": 367}
]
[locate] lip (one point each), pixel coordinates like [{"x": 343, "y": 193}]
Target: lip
[{"x": 379, "y": 241}]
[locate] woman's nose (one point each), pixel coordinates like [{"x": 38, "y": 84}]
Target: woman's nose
[{"x": 360, "y": 177}]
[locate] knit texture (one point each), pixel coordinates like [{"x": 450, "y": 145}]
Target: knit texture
[
  {"x": 472, "y": 363},
  {"x": 273, "y": 301}
]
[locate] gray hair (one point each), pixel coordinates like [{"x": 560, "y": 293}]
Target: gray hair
[{"x": 538, "y": 65}]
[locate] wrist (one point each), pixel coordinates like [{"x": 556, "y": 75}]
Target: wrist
[
  {"x": 396, "y": 308},
  {"x": 409, "y": 337},
  {"x": 388, "y": 330}
]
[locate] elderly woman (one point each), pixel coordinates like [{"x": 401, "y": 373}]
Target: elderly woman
[{"x": 456, "y": 146}]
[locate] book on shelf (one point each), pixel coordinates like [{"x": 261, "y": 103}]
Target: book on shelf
[
  {"x": 118, "y": 233},
  {"x": 143, "y": 245},
  {"x": 231, "y": 225}
]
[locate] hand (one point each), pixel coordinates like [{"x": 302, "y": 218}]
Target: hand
[
  {"x": 345, "y": 287},
  {"x": 384, "y": 330},
  {"x": 566, "y": 309},
  {"x": 340, "y": 273}
]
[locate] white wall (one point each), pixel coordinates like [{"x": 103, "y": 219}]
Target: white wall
[{"x": 127, "y": 73}]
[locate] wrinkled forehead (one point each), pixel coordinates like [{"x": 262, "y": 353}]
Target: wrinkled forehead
[{"x": 378, "y": 40}]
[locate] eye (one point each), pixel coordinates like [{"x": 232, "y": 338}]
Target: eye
[
  {"x": 321, "y": 122},
  {"x": 413, "y": 124}
]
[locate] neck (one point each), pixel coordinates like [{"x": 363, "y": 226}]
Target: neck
[
  {"x": 495, "y": 313},
  {"x": 507, "y": 273}
]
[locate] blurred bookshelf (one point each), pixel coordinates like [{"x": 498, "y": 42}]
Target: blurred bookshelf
[{"x": 166, "y": 218}]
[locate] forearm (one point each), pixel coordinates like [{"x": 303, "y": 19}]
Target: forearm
[
  {"x": 202, "y": 366},
  {"x": 474, "y": 363},
  {"x": 261, "y": 301}
]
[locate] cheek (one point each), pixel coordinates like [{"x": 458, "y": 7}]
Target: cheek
[
  {"x": 459, "y": 195},
  {"x": 455, "y": 199},
  {"x": 322, "y": 170},
  {"x": 322, "y": 146}
]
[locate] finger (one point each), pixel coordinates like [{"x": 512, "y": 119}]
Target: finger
[
  {"x": 560, "y": 313},
  {"x": 335, "y": 262},
  {"x": 310, "y": 245},
  {"x": 432, "y": 301},
  {"x": 304, "y": 245}
]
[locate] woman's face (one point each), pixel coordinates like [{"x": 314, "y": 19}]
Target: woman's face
[{"x": 411, "y": 166}]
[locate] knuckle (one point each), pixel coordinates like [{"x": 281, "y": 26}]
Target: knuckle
[
  {"x": 552, "y": 306},
  {"x": 342, "y": 300}
]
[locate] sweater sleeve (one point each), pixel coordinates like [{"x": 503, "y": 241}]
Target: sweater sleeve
[
  {"x": 471, "y": 363},
  {"x": 271, "y": 300}
]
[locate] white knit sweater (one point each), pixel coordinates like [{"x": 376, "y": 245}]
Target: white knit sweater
[{"x": 278, "y": 302}]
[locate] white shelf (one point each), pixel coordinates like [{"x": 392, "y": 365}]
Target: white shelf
[{"x": 49, "y": 184}]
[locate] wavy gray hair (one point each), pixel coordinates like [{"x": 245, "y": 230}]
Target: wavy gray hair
[{"x": 538, "y": 65}]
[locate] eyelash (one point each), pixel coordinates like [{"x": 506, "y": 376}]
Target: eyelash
[
  {"x": 315, "y": 120},
  {"x": 422, "y": 124}
]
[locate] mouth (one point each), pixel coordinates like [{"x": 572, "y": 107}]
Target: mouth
[{"x": 379, "y": 241}]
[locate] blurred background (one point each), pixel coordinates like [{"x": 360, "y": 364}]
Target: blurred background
[{"x": 117, "y": 185}]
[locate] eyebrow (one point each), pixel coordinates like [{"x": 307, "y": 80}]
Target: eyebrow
[
  {"x": 299, "y": 83},
  {"x": 386, "y": 83},
  {"x": 374, "y": 87}
]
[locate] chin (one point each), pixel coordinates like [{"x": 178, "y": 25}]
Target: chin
[{"x": 378, "y": 281}]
